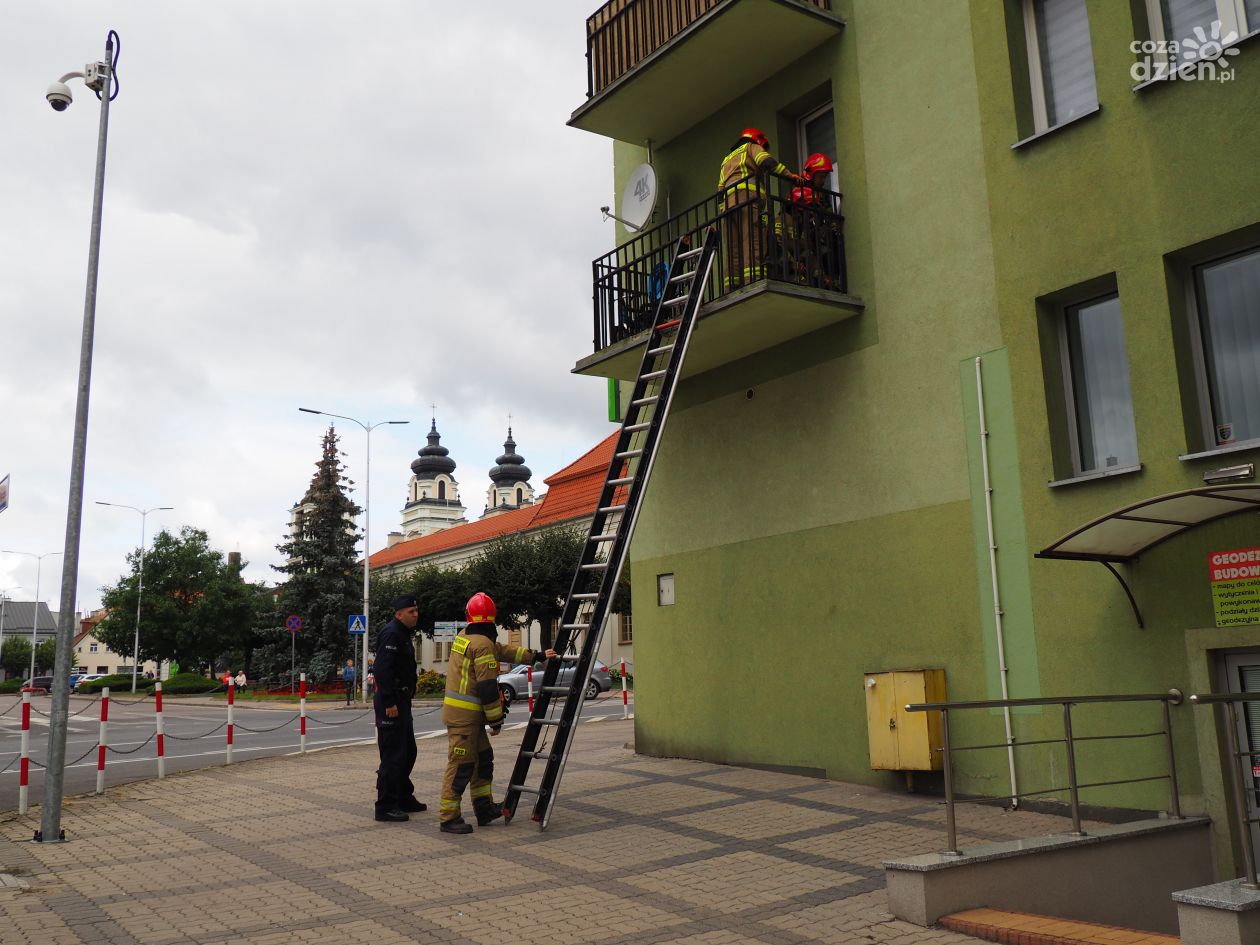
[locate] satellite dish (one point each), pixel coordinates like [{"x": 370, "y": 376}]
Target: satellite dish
[{"x": 638, "y": 200}]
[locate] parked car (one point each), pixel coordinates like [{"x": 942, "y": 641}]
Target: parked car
[
  {"x": 86, "y": 677},
  {"x": 513, "y": 683},
  {"x": 38, "y": 684}
]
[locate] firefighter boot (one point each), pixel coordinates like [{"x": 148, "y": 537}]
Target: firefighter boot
[
  {"x": 487, "y": 812},
  {"x": 458, "y": 825}
]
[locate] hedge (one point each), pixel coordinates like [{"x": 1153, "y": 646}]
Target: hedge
[
  {"x": 11, "y": 685},
  {"x": 184, "y": 684},
  {"x": 430, "y": 684},
  {"x": 118, "y": 682}
]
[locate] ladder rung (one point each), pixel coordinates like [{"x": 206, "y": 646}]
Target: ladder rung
[
  {"x": 522, "y": 789},
  {"x": 628, "y": 454},
  {"x": 544, "y": 722},
  {"x": 644, "y": 401},
  {"x": 545, "y": 755},
  {"x": 636, "y": 427},
  {"x": 564, "y": 689},
  {"x": 676, "y": 300},
  {"x": 681, "y": 276},
  {"x": 623, "y": 481},
  {"x": 690, "y": 253},
  {"x": 604, "y": 538},
  {"x": 570, "y": 657},
  {"x": 596, "y": 566},
  {"x": 612, "y": 508},
  {"x": 575, "y": 626},
  {"x": 585, "y": 596},
  {"x": 653, "y": 375},
  {"x": 661, "y": 350}
]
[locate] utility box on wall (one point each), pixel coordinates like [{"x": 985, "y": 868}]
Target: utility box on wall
[{"x": 901, "y": 740}]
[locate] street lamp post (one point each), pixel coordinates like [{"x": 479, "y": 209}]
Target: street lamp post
[
  {"x": 144, "y": 514},
  {"x": 367, "y": 532},
  {"x": 39, "y": 565},
  {"x": 3, "y": 597},
  {"x": 101, "y": 78}
]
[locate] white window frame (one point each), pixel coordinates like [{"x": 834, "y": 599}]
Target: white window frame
[
  {"x": 1203, "y": 390},
  {"x": 1231, "y": 13},
  {"x": 802, "y": 149},
  {"x": 1069, "y": 388},
  {"x": 1037, "y": 75}
]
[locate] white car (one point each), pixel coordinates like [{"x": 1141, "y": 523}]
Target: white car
[{"x": 87, "y": 677}]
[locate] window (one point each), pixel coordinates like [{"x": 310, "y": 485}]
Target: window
[
  {"x": 1060, "y": 61},
  {"x": 626, "y": 634},
  {"x": 1199, "y": 27},
  {"x": 816, "y": 133},
  {"x": 93, "y": 647},
  {"x": 1227, "y": 305},
  {"x": 441, "y": 490},
  {"x": 1096, "y": 384}
]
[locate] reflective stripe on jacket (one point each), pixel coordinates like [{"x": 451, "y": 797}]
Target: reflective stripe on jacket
[
  {"x": 472, "y": 679},
  {"x": 744, "y": 167}
]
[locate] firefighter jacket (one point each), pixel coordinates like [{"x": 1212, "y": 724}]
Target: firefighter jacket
[
  {"x": 395, "y": 666},
  {"x": 472, "y": 678},
  {"x": 747, "y": 166}
]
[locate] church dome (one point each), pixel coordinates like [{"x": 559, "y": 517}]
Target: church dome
[
  {"x": 511, "y": 466},
  {"x": 434, "y": 458}
]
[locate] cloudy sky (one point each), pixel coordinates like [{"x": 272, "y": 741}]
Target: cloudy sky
[{"x": 363, "y": 208}]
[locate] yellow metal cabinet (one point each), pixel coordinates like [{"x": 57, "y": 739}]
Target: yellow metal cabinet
[{"x": 901, "y": 740}]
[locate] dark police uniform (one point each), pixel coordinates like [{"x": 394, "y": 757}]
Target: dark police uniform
[{"x": 395, "y": 673}]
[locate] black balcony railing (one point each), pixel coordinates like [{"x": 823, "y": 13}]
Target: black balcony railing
[
  {"x": 622, "y": 33},
  {"x": 764, "y": 235}
]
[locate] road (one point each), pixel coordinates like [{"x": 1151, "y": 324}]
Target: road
[{"x": 195, "y": 736}]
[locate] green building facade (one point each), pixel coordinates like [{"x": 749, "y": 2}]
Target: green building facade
[{"x": 1036, "y": 213}]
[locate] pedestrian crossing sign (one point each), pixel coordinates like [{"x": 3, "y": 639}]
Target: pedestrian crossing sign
[{"x": 357, "y": 623}]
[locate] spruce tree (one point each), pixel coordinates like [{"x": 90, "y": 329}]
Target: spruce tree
[{"x": 324, "y": 583}]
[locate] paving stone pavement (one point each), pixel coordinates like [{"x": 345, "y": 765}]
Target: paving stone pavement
[{"x": 639, "y": 851}]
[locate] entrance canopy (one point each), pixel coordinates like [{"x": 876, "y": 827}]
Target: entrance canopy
[
  {"x": 1126, "y": 533},
  {"x": 1123, "y": 535}
]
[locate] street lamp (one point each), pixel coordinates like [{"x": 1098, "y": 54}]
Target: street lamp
[
  {"x": 3, "y": 592},
  {"x": 367, "y": 532},
  {"x": 144, "y": 514},
  {"x": 100, "y": 77},
  {"x": 39, "y": 564}
]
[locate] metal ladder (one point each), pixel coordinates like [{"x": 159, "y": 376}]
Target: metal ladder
[{"x": 557, "y": 708}]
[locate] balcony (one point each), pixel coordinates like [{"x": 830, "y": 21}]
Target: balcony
[
  {"x": 641, "y": 54},
  {"x": 780, "y": 273}
]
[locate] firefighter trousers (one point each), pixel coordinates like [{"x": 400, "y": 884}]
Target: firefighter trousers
[
  {"x": 469, "y": 764},
  {"x": 744, "y": 238}
]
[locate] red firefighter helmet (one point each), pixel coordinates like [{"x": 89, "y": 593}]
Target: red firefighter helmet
[
  {"x": 818, "y": 163},
  {"x": 480, "y": 608},
  {"x": 755, "y": 135},
  {"x": 802, "y": 195}
]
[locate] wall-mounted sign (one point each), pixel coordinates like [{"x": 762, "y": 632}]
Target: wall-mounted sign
[
  {"x": 1235, "y": 577},
  {"x": 444, "y": 631}
]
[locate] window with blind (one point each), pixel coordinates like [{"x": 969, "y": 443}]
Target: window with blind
[
  {"x": 1227, "y": 297},
  {"x": 1096, "y": 372},
  {"x": 1060, "y": 61},
  {"x": 1189, "y": 23}
]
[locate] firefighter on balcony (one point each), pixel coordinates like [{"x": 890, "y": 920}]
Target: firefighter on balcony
[
  {"x": 742, "y": 186},
  {"x": 471, "y": 704},
  {"x": 824, "y": 237}
]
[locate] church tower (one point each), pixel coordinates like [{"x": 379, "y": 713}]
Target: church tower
[
  {"x": 509, "y": 481},
  {"x": 432, "y": 494}
]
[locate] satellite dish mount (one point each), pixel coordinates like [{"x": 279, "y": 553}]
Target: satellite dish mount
[{"x": 638, "y": 199}]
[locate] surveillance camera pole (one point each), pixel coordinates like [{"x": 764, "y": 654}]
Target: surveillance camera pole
[{"x": 54, "y": 777}]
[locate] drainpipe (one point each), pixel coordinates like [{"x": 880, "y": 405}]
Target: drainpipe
[{"x": 993, "y": 579}]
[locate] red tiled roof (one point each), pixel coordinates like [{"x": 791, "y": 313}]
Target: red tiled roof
[{"x": 572, "y": 493}]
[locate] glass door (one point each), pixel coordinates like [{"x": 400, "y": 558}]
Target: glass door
[{"x": 1243, "y": 672}]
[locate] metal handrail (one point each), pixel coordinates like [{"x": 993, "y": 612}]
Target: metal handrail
[
  {"x": 1238, "y": 789},
  {"x": 1074, "y": 787},
  {"x": 622, "y": 33},
  {"x": 781, "y": 240}
]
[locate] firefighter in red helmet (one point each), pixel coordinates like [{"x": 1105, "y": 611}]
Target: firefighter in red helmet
[
  {"x": 471, "y": 704},
  {"x": 822, "y": 234},
  {"x": 742, "y": 182}
]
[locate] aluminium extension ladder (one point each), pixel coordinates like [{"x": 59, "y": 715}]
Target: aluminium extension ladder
[{"x": 557, "y": 708}]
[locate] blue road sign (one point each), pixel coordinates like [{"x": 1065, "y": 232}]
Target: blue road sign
[
  {"x": 356, "y": 623},
  {"x": 294, "y": 623}
]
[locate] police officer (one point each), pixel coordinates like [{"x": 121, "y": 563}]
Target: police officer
[
  {"x": 395, "y": 672},
  {"x": 472, "y": 702}
]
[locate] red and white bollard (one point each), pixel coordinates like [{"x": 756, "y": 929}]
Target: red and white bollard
[
  {"x": 302, "y": 712},
  {"x": 231, "y": 706},
  {"x": 24, "y": 775},
  {"x": 625, "y": 692},
  {"x": 529, "y": 687},
  {"x": 102, "y": 741},
  {"x": 161, "y": 733}
]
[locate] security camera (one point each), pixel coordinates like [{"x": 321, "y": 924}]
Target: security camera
[{"x": 59, "y": 96}]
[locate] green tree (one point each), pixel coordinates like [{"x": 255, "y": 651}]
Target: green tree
[
  {"x": 323, "y": 585},
  {"x": 440, "y": 594},
  {"x": 46, "y": 656},
  {"x": 528, "y": 575},
  {"x": 15, "y": 656},
  {"x": 195, "y": 605}
]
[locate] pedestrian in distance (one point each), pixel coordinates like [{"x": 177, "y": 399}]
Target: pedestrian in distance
[
  {"x": 370, "y": 681},
  {"x": 240, "y": 681},
  {"x": 348, "y": 676},
  {"x": 472, "y": 704},
  {"x": 395, "y": 672}
]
